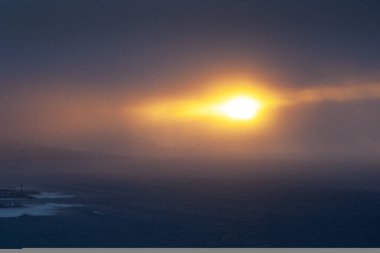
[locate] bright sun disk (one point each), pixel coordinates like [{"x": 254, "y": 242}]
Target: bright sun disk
[{"x": 240, "y": 108}]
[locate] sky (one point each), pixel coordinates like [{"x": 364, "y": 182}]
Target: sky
[{"x": 75, "y": 73}]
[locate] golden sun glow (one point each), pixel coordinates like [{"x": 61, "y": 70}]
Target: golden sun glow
[
  {"x": 234, "y": 106},
  {"x": 240, "y": 108}
]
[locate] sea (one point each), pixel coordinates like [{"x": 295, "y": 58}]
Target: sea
[{"x": 192, "y": 203}]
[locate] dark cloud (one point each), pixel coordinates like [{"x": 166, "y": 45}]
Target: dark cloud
[{"x": 302, "y": 42}]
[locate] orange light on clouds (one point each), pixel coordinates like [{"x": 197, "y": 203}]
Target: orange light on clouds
[{"x": 237, "y": 102}]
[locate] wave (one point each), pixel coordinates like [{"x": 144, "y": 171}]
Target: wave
[
  {"x": 34, "y": 210},
  {"x": 52, "y": 195}
]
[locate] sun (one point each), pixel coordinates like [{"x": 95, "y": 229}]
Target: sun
[{"x": 240, "y": 108}]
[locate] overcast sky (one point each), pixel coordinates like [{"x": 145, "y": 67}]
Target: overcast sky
[{"x": 69, "y": 68}]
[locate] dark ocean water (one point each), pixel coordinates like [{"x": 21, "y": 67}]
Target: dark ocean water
[{"x": 208, "y": 204}]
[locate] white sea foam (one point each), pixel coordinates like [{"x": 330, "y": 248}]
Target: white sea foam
[{"x": 33, "y": 210}]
